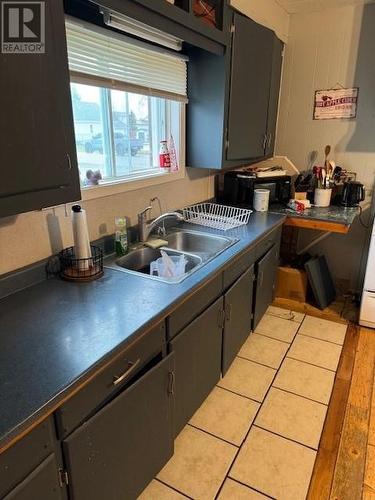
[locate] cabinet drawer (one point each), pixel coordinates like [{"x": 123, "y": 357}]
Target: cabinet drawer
[
  {"x": 193, "y": 306},
  {"x": 42, "y": 483},
  {"x": 240, "y": 266},
  {"x": 266, "y": 244},
  {"x": 23, "y": 457},
  {"x": 107, "y": 383}
]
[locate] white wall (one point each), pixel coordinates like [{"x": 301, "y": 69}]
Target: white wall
[
  {"x": 265, "y": 12},
  {"x": 325, "y": 48},
  {"x": 30, "y": 237}
]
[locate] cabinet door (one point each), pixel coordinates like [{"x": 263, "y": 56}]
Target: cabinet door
[
  {"x": 249, "y": 89},
  {"x": 265, "y": 284},
  {"x": 42, "y": 483},
  {"x": 198, "y": 362},
  {"x": 118, "y": 452},
  {"x": 37, "y": 154},
  {"x": 238, "y": 314},
  {"x": 273, "y": 105}
]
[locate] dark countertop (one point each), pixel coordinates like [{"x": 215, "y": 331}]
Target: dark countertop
[
  {"x": 55, "y": 334},
  {"x": 338, "y": 215}
]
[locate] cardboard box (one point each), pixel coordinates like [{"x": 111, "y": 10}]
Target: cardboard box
[{"x": 291, "y": 284}]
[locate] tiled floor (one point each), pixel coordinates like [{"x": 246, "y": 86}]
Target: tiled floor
[{"x": 256, "y": 435}]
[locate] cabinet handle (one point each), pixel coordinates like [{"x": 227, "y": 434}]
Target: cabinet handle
[
  {"x": 69, "y": 161},
  {"x": 171, "y": 385},
  {"x": 264, "y": 142},
  {"x": 260, "y": 278},
  {"x": 228, "y": 312},
  {"x": 132, "y": 366},
  {"x": 269, "y": 141}
]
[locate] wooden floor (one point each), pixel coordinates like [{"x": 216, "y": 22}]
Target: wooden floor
[{"x": 345, "y": 465}]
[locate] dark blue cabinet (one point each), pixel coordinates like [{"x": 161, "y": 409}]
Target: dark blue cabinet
[
  {"x": 38, "y": 154},
  {"x": 117, "y": 452},
  {"x": 233, "y": 100}
]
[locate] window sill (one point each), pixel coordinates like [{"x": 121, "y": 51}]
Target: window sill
[{"x": 123, "y": 186}]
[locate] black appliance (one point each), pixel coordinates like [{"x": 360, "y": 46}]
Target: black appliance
[
  {"x": 353, "y": 193},
  {"x": 239, "y": 188}
]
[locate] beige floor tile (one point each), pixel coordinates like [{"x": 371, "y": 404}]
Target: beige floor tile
[
  {"x": 248, "y": 379},
  {"x": 293, "y": 417},
  {"x": 199, "y": 465},
  {"x": 264, "y": 350},
  {"x": 323, "y": 329},
  {"x": 285, "y": 313},
  {"x": 316, "y": 352},
  {"x": 235, "y": 491},
  {"x": 274, "y": 465},
  {"x": 277, "y": 328},
  {"x": 158, "y": 491},
  {"x": 226, "y": 415},
  {"x": 305, "y": 380}
]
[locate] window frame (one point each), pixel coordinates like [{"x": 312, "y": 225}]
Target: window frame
[{"x": 123, "y": 185}]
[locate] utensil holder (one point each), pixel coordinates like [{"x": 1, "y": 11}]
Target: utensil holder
[{"x": 322, "y": 197}]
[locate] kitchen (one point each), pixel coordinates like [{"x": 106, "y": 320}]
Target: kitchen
[{"x": 64, "y": 345}]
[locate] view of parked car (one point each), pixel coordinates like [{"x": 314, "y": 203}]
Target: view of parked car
[{"x": 121, "y": 144}]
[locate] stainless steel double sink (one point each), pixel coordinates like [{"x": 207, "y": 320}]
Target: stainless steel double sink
[{"x": 197, "y": 247}]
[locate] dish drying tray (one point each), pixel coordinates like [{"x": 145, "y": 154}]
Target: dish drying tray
[{"x": 216, "y": 216}]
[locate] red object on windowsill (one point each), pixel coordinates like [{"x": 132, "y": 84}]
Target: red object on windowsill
[{"x": 205, "y": 11}]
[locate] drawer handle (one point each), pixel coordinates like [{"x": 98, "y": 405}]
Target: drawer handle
[{"x": 132, "y": 366}]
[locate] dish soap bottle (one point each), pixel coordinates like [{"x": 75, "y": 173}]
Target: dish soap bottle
[{"x": 121, "y": 236}]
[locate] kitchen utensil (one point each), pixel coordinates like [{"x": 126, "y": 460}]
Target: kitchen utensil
[
  {"x": 353, "y": 193},
  {"x": 327, "y": 151},
  {"x": 324, "y": 175}
]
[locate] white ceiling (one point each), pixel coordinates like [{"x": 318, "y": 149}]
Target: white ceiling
[{"x": 297, "y": 6}]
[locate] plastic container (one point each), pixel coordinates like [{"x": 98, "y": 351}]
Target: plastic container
[
  {"x": 157, "y": 268},
  {"x": 261, "y": 200},
  {"x": 322, "y": 197}
]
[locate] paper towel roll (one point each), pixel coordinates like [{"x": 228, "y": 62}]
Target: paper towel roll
[{"x": 82, "y": 249}]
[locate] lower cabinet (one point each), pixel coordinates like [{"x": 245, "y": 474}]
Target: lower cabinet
[
  {"x": 197, "y": 351},
  {"x": 43, "y": 483},
  {"x": 266, "y": 270},
  {"x": 117, "y": 452},
  {"x": 238, "y": 306}
]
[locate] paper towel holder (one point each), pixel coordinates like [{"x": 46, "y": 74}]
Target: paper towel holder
[{"x": 73, "y": 269}]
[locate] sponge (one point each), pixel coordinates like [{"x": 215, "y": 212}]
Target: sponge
[{"x": 157, "y": 243}]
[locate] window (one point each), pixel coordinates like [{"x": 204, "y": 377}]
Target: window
[{"x": 118, "y": 122}]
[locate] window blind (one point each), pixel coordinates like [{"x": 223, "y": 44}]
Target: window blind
[{"x": 100, "y": 57}]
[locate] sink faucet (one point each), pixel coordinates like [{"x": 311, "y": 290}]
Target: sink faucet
[{"x": 145, "y": 228}]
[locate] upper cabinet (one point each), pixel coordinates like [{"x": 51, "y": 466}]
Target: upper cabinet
[
  {"x": 38, "y": 154},
  {"x": 184, "y": 19},
  {"x": 233, "y": 100}
]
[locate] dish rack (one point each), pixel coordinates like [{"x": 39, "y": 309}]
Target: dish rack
[{"x": 216, "y": 216}]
